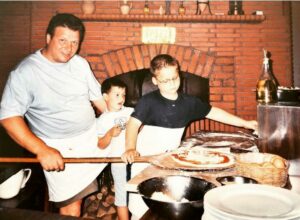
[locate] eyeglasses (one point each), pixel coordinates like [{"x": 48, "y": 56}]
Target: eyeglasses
[{"x": 166, "y": 81}]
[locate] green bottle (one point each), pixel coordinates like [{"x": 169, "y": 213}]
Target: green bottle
[{"x": 266, "y": 88}]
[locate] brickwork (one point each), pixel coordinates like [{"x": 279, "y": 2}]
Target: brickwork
[
  {"x": 236, "y": 47},
  {"x": 190, "y": 59}
]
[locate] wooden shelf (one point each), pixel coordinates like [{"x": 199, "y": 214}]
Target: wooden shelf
[{"x": 174, "y": 18}]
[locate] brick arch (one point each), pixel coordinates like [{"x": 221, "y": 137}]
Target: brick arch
[
  {"x": 219, "y": 70},
  {"x": 138, "y": 57}
]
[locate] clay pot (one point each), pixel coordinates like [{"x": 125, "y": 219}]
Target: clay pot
[
  {"x": 203, "y": 6},
  {"x": 125, "y": 8},
  {"x": 88, "y": 7},
  {"x": 161, "y": 10}
]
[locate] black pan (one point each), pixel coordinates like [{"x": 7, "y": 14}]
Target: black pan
[
  {"x": 186, "y": 192},
  {"x": 226, "y": 180}
]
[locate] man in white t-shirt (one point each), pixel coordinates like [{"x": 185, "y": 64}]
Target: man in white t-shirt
[{"x": 54, "y": 89}]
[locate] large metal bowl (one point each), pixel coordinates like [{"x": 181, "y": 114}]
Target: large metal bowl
[
  {"x": 186, "y": 192},
  {"x": 226, "y": 180}
]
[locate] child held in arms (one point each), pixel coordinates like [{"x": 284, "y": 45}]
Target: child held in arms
[
  {"x": 111, "y": 132},
  {"x": 164, "y": 114}
]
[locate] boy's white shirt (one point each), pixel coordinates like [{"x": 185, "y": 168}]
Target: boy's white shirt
[{"x": 105, "y": 122}]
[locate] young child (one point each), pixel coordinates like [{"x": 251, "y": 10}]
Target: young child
[
  {"x": 164, "y": 114},
  {"x": 111, "y": 125}
]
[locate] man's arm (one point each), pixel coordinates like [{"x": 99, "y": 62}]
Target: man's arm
[
  {"x": 100, "y": 104},
  {"x": 132, "y": 129},
  {"x": 220, "y": 115},
  {"x": 18, "y": 130}
]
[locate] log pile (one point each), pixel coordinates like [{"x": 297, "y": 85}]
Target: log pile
[{"x": 100, "y": 205}]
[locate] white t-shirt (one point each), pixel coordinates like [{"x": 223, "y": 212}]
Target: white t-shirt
[
  {"x": 54, "y": 97},
  {"x": 109, "y": 119}
]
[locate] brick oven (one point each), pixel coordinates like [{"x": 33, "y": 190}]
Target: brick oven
[{"x": 191, "y": 60}]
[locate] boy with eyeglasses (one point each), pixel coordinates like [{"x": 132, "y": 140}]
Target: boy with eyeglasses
[{"x": 164, "y": 114}]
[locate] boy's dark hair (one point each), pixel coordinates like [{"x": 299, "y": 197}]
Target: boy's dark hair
[
  {"x": 110, "y": 82},
  {"x": 162, "y": 60},
  {"x": 66, "y": 20}
]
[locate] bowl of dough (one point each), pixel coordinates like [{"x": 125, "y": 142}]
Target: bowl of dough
[{"x": 175, "y": 196}]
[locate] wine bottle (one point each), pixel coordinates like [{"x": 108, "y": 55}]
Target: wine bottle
[{"x": 266, "y": 88}]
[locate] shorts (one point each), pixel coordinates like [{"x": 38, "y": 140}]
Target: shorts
[
  {"x": 119, "y": 174},
  {"x": 93, "y": 187}
]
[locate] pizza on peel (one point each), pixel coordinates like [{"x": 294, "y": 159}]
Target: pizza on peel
[{"x": 198, "y": 157}]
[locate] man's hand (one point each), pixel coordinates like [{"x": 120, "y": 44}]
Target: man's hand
[
  {"x": 50, "y": 159},
  {"x": 19, "y": 131},
  {"x": 129, "y": 155}
]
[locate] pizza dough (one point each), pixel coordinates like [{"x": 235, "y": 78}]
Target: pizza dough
[
  {"x": 160, "y": 196},
  {"x": 202, "y": 158}
]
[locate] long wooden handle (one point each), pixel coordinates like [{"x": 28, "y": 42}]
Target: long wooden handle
[{"x": 75, "y": 160}]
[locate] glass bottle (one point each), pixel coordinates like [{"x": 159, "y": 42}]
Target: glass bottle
[
  {"x": 266, "y": 88},
  {"x": 181, "y": 9},
  {"x": 146, "y": 8}
]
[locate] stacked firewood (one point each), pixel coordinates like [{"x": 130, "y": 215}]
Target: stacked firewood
[{"x": 100, "y": 205}]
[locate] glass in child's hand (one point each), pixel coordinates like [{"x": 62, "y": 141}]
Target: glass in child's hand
[{"x": 121, "y": 122}]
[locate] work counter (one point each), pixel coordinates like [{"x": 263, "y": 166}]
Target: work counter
[{"x": 279, "y": 130}]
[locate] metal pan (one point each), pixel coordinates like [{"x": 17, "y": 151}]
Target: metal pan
[
  {"x": 237, "y": 140},
  {"x": 226, "y": 180},
  {"x": 184, "y": 196}
]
